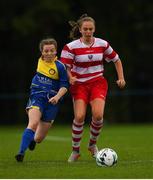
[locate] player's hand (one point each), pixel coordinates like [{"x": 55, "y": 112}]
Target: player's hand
[
  {"x": 121, "y": 83},
  {"x": 54, "y": 100},
  {"x": 72, "y": 80}
]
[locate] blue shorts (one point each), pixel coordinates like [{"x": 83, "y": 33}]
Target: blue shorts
[{"x": 48, "y": 110}]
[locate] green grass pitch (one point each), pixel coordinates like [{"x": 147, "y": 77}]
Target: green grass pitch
[{"x": 133, "y": 144}]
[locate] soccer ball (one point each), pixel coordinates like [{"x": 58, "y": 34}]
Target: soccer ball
[{"x": 106, "y": 157}]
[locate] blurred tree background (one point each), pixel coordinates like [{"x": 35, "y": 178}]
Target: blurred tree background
[{"x": 126, "y": 25}]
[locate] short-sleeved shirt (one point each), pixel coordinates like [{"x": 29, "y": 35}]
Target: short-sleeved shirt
[
  {"x": 50, "y": 77},
  {"x": 86, "y": 62}
]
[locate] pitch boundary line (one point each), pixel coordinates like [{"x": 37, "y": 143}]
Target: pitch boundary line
[
  {"x": 57, "y": 138},
  {"x": 135, "y": 161}
]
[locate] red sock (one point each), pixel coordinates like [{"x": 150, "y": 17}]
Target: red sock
[
  {"x": 77, "y": 131},
  {"x": 95, "y": 128}
]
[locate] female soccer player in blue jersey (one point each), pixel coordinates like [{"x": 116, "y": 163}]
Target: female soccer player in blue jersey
[{"x": 48, "y": 87}]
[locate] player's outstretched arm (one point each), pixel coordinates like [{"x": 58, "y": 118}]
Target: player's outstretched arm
[
  {"x": 54, "y": 100},
  {"x": 72, "y": 79},
  {"x": 119, "y": 68}
]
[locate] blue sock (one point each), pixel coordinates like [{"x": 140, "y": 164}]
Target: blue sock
[{"x": 27, "y": 137}]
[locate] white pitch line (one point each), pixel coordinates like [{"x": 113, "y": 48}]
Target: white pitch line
[
  {"x": 136, "y": 161},
  {"x": 57, "y": 138}
]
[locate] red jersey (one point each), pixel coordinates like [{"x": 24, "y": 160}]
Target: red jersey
[{"x": 86, "y": 62}]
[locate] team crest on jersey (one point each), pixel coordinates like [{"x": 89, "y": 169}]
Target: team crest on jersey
[
  {"x": 90, "y": 56},
  {"x": 52, "y": 71}
]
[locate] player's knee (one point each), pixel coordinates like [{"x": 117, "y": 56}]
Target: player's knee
[
  {"x": 32, "y": 126},
  {"x": 98, "y": 117},
  {"x": 39, "y": 139},
  {"x": 79, "y": 118}
]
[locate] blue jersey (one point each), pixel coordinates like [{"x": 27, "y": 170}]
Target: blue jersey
[
  {"x": 50, "y": 77},
  {"x": 43, "y": 83}
]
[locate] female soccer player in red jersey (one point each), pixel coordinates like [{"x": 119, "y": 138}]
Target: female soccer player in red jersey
[
  {"x": 48, "y": 87},
  {"x": 84, "y": 58}
]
